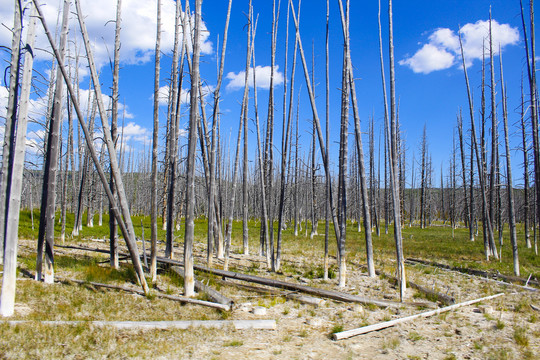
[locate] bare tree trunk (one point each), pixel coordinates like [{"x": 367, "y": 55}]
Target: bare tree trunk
[
  {"x": 322, "y": 147},
  {"x": 423, "y": 149},
  {"x": 531, "y": 67},
  {"x": 327, "y": 188},
  {"x": 362, "y": 172},
  {"x": 14, "y": 180},
  {"x": 9, "y": 127},
  {"x": 394, "y": 164},
  {"x": 212, "y": 215},
  {"x": 526, "y": 212},
  {"x": 155, "y": 135},
  {"x": 494, "y": 143},
  {"x": 468, "y": 213},
  {"x": 478, "y": 156},
  {"x": 48, "y": 197},
  {"x": 245, "y": 208},
  {"x": 190, "y": 192},
  {"x": 129, "y": 235},
  {"x": 264, "y": 220},
  {"x": 285, "y": 140},
  {"x": 113, "y": 232},
  {"x": 509, "y": 190}
]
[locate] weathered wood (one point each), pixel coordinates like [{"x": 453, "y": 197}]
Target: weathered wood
[
  {"x": 334, "y": 295},
  {"x": 152, "y": 325},
  {"x": 445, "y": 299},
  {"x": 476, "y": 272},
  {"x": 140, "y": 292},
  {"x": 330, "y": 294},
  {"x": 213, "y": 294},
  {"x": 309, "y": 300},
  {"x": 365, "y": 329}
]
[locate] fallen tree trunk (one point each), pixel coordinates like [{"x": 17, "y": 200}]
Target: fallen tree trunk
[
  {"x": 475, "y": 272},
  {"x": 365, "y": 329},
  {"x": 309, "y": 300},
  {"x": 152, "y": 325},
  {"x": 330, "y": 294},
  {"x": 445, "y": 299},
  {"x": 334, "y": 295},
  {"x": 140, "y": 292},
  {"x": 213, "y": 294}
]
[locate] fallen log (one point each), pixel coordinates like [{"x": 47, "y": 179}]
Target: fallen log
[
  {"x": 140, "y": 292},
  {"x": 330, "y": 294},
  {"x": 152, "y": 325},
  {"x": 308, "y": 300},
  {"x": 476, "y": 272},
  {"x": 213, "y": 294},
  {"x": 365, "y": 329},
  {"x": 444, "y": 299}
]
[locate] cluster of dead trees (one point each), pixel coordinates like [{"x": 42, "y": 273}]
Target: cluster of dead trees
[{"x": 204, "y": 176}]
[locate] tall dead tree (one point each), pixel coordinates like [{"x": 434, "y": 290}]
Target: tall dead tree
[
  {"x": 189, "y": 280},
  {"x": 113, "y": 233},
  {"x": 322, "y": 147},
  {"x": 526, "y": 185},
  {"x": 392, "y": 128},
  {"x": 155, "y": 134},
  {"x": 212, "y": 215},
  {"x": 530, "y": 52},
  {"x": 286, "y": 135},
  {"x": 14, "y": 179},
  {"x": 48, "y": 196},
  {"x": 358, "y": 136},
  {"x": 468, "y": 213},
  {"x": 509, "y": 186},
  {"x": 487, "y": 221},
  {"x": 423, "y": 180}
]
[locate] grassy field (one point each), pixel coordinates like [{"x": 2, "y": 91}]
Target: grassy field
[
  {"x": 302, "y": 259},
  {"x": 434, "y": 243}
]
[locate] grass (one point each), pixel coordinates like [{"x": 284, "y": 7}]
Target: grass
[
  {"x": 76, "y": 302},
  {"x": 434, "y": 242}
]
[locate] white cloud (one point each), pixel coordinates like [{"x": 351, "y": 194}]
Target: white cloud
[
  {"x": 429, "y": 58},
  {"x": 262, "y": 75},
  {"x": 442, "y": 50},
  {"x": 138, "y": 35},
  {"x": 134, "y": 132}
]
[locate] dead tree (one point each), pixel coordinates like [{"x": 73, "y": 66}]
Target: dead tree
[
  {"x": 113, "y": 233},
  {"x": 509, "y": 186},
  {"x": 48, "y": 195},
  {"x": 190, "y": 191},
  {"x": 468, "y": 213},
  {"x": 212, "y": 215},
  {"x": 478, "y": 155},
  {"x": 14, "y": 180},
  {"x": 393, "y": 151},
  {"x": 362, "y": 172}
]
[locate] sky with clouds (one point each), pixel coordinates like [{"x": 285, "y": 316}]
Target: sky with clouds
[{"x": 429, "y": 78}]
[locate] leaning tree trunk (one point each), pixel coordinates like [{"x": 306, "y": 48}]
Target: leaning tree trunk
[
  {"x": 128, "y": 235},
  {"x": 362, "y": 172}
]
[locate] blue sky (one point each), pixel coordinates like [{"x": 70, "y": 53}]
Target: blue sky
[{"x": 430, "y": 83}]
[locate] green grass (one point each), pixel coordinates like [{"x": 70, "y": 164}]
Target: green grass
[{"x": 434, "y": 242}]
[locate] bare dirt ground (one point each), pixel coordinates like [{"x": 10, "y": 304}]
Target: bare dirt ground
[{"x": 503, "y": 328}]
